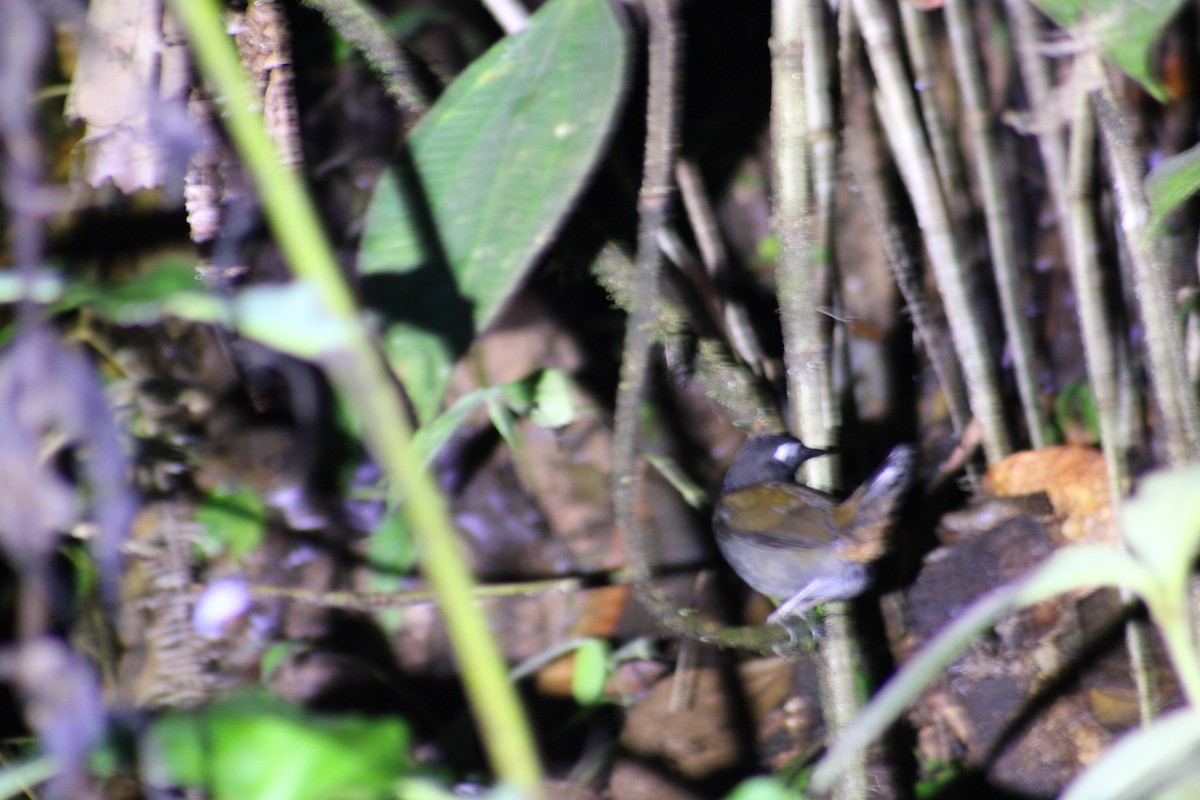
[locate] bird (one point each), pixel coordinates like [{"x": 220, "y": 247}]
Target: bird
[{"x": 797, "y": 544}]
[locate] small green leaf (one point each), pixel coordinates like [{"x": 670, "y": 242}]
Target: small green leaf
[
  {"x": 391, "y": 547},
  {"x": 234, "y": 521},
  {"x": 591, "y": 671},
  {"x": 17, "y": 779},
  {"x": 503, "y": 420},
  {"x": 554, "y": 400},
  {"x": 486, "y": 181},
  {"x": 1075, "y": 406},
  {"x": 254, "y": 745},
  {"x": 763, "y": 788},
  {"x": 433, "y": 436},
  {"x": 1172, "y": 182}
]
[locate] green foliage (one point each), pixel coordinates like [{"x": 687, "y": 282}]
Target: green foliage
[
  {"x": 139, "y": 300},
  {"x": 592, "y": 668},
  {"x": 234, "y": 521},
  {"x": 1075, "y": 406},
  {"x": 255, "y": 745},
  {"x": 1123, "y": 31},
  {"x": 17, "y": 779},
  {"x": 391, "y": 548},
  {"x": 485, "y": 181},
  {"x": 1161, "y": 525},
  {"x": 1171, "y": 183},
  {"x": 939, "y": 776},
  {"x": 545, "y": 397},
  {"x": 763, "y": 789}
]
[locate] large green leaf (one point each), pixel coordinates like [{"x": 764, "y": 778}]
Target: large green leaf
[
  {"x": 254, "y": 745},
  {"x": 1150, "y": 762},
  {"x": 1124, "y": 30},
  {"x": 1161, "y": 524},
  {"x": 483, "y": 184}
]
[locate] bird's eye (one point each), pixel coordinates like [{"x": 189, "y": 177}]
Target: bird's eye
[{"x": 787, "y": 453}]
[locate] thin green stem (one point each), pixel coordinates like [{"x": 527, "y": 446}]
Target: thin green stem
[
  {"x": 804, "y": 156},
  {"x": 363, "y": 380}
]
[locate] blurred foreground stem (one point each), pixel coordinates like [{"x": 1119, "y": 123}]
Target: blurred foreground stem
[{"x": 362, "y": 379}]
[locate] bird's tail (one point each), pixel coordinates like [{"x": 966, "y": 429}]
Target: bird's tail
[{"x": 875, "y": 503}]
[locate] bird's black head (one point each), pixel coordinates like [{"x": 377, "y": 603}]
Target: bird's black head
[{"x": 768, "y": 459}]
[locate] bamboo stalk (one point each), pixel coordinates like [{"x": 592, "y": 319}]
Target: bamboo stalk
[
  {"x": 980, "y": 126},
  {"x": 916, "y": 167}
]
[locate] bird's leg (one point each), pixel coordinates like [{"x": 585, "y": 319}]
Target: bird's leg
[{"x": 794, "y": 606}]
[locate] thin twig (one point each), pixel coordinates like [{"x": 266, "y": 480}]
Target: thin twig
[
  {"x": 662, "y": 133},
  {"x": 362, "y": 26}
]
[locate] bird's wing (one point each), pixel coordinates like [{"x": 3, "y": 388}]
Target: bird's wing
[{"x": 781, "y": 515}]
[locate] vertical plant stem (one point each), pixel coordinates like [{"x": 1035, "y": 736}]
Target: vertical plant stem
[
  {"x": 1181, "y": 648},
  {"x": 916, "y": 166},
  {"x": 803, "y": 277},
  {"x": 359, "y": 374},
  {"x": 705, "y": 227},
  {"x": 1035, "y": 74},
  {"x": 919, "y": 42},
  {"x": 661, "y": 144},
  {"x": 662, "y": 133},
  {"x": 362, "y": 26},
  {"x": 1099, "y": 352},
  {"x": 999, "y": 223},
  {"x": 1176, "y": 400},
  {"x": 818, "y": 107},
  {"x": 804, "y": 285}
]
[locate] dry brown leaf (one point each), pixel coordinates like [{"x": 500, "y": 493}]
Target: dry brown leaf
[{"x": 1075, "y": 480}]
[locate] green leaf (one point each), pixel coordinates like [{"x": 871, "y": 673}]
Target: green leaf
[
  {"x": 591, "y": 671},
  {"x": 546, "y": 397},
  {"x": 391, "y": 548},
  {"x": 1075, "y": 407},
  {"x": 1144, "y": 763},
  {"x": 171, "y": 287},
  {"x": 434, "y": 435},
  {"x": 1124, "y": 31},
  {"x": 254, "y": 745},
  {"x": 485, "y": 182},
  {"x": 234, "y": 520},
  {"x": 291, "y": 318},
  {"x": 1172, "y": 182},
  {"x": 1161, "y": 524},
  {"x": 763, "y": 789},
  {"x": 1080, "y": 567},
  {"x": 17, "y": 780}
]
